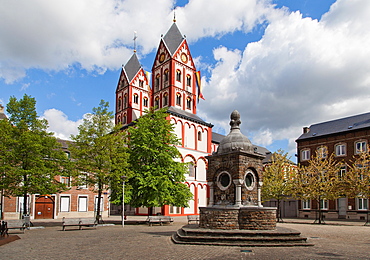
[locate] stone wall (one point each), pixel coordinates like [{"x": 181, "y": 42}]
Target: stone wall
[{"x": 251, "y": 218}]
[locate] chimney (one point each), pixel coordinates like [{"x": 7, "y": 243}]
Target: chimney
[{"x": 306, "y": 129}]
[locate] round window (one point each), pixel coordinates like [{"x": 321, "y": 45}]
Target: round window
[
  {"x": 249, "y": 180},
  {"x": 224, "y": 180}
]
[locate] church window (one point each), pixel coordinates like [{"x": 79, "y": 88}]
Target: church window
[
  {"x": 166, "y": 75},
  {"x": 188, "y": 103},
  {"x": 157, "y": 81},
  {"x": 124, "y": 119},
  {"x": 136, "y": 98},
  {"x": 188, "y": 80},
  {"x": 178, "y": 75},
  {"x": 145, "y": 101},
  {"x": 156, "y": 102},
  {"x": 199, "y": 136},
  {"x": 165, "y": 99},
  {"x": 119, "y": 103},
  {"x": 178, "y": 99},
  {"x": 119, "y": 120},
  {"x": 191, "y": 170},
  {"x": 125, "y": 101},
  {"x": 141, "y": 83}
]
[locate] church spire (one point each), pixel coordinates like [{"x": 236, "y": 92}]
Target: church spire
[{"x": 135, "y": 37}]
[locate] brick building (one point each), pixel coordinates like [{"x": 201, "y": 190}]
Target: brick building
[{"x": 344, "y": 138}]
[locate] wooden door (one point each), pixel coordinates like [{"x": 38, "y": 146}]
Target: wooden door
[{"x": 44, "y": 208}]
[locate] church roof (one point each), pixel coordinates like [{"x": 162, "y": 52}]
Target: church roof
[
  {"x": 173, "y": 38},
  {"x": 346, "y": 124},
  {"x": 186, "y": 115},
  {"x": 132, "y": 67}
]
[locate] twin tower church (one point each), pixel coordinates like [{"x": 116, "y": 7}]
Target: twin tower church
[{"x": 174, "y": 86}]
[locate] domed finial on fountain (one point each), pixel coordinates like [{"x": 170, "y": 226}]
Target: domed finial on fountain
[{"x": 235, "y": 120}]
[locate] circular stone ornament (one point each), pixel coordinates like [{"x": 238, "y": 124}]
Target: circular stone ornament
[
  {"x": 249, "y": 180},
  {"x": 224, "y": 180}
]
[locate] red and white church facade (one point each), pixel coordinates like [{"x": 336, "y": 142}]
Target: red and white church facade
[{"x": 174, "y": 87}]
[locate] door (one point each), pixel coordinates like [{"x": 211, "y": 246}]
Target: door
[{"x": 44, "y": 207}]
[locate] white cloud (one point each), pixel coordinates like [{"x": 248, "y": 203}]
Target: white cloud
[
  {"x": 60, "y": 125},
  {"x": 301, "y": 72}
]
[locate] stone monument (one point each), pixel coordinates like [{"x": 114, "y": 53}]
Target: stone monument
[{"x": 235, "y": 179}]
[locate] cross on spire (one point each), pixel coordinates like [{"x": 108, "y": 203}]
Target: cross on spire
[{"x": 135, "y": 37}]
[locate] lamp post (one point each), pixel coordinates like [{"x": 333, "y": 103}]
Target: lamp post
[{"x": 123, "y": 199}]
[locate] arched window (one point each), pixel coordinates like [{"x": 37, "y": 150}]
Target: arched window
[
  {"x": 166, "y": 75},
  {"x": 165, "y": 99},
  {"x": 145, "y": 102},
  {"x": 119, "y": 120},
  {"x": 120, "y": 103},
  {"x": 125, "y": 101},
  {"x": 156, "y": 102},
  {"x": 188, "y": 103},
  {"x": 141, "y": 83},
  {"x": 178, "y": 99},
  {"x": 188, "y": 80},
  {"x": 136, "y": 98},
  {"x": 199, "y": 136},
  {"x": 178, "y": 75},
  {"x": 124, "y": 119},
  {"x": 157, "y": 81}
]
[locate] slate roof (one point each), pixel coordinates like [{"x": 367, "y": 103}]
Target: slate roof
[
  {"x": 341, "y": 125},
  {"x": 186, "y": 115},
  {"x": 173, "y": 38},
  {"x": 132, "y": 67}
]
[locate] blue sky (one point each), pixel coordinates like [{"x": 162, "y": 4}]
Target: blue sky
[{"x": 282, "y": 64}]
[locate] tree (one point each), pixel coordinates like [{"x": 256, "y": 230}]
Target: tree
[
  {"x": 158, "y": 175},
  {"x": 31, "y": 157},
  {"x": 277, "y": 176},
  {"x": 318, "y": 181},
  {"x": 100, "y": 153},
  {"x": 357, "y": 178}
]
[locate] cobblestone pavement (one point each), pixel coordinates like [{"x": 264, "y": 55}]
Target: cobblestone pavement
[{"x": 144, "y": 242}]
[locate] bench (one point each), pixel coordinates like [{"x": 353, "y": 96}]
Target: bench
[
  {"x": 15, "y": 224},
  {"x": 158, "y": 220},
  {"x": 80, "y": 222},
  {"x": 193, "y": 218}
]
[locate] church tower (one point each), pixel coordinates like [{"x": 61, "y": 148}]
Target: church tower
[
  {"x": 173, "y": 73},
  {"x": 132, "y": 93}
]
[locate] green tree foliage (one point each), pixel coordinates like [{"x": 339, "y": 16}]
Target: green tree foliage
[
  {"x": 319, "y": 180},
  {"x": 357, "y": 178},
  {"x": 100, "y": 153},
  {"x": 277, "y": 179},
  {"x": 158, "y": 175},
  {"x": 31, "y": 158}
]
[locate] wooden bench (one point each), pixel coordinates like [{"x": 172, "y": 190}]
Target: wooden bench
[
  {"x": 80, "y": 222},
  {"x": 193, "y": 218},
  {"x": 158, "y": 220},
  {"x": 16, "y": 224}
]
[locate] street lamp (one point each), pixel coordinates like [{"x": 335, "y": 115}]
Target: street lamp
[{"x": 123, "y": 199}]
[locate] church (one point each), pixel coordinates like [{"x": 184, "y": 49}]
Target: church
[{"x": 174, "y": 86}]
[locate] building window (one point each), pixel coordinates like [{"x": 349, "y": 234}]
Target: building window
[
  {"x": 306, "y": 204},
  {"x": 249, "y": 180},
  {"x": 65, "y": 180},
  {"x": 157, "y": 81},
  {"x": 223, "y": 180},
  {"x": 305, "y": 155},
  {"x": 191, "y": 170},
  {"x": 125, "y": 101},
  {"x": 141, "y": 83},
  {"x": 342, "y": 171},
  {"x": 322, "y": 152},
  {"x": 188, "y": 103},
  {"x": 324, "y": 204},
  {"x": 82, "y": 203},
  {"x": 178, "y": 75},
  {"x": 136, "y": 98},
  {"x": 166, "y": 75},
  {"x": 360, "y": 147},
  {"x": 124, "y": 119},
  {"x": 165, "y": 99},
  {"x": 199, "y": 136},
  {"x": 362, "y": 204},
  {"x": 340, "y": 150},
  {"x": 156, "y": 102},
  {"x": 145, "y": 102},
  {"x": 188, "y": 80},
  {"x": 68, "y": 154},
  {"x": 119, "y": 103},
  {"x": 64, "y": 203},
  {"x": 178, "y": 99}
]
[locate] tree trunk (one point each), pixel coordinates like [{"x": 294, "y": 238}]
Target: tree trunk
[
  {"x": 98, "y": 210},
  {"x": 25, "y": 203},
  {"x": 278, "y": 212}
]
